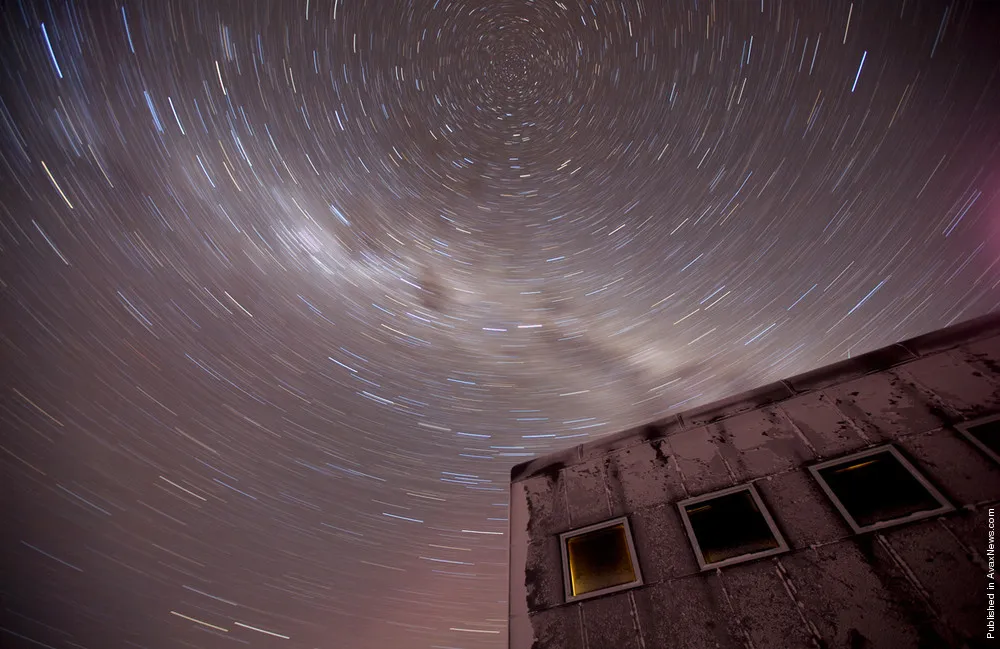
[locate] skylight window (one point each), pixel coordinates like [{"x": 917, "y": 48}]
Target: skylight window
[
  {"x": 878, "y": 488},
  {"x": 599, "y": 559},
  {"x": 730, "y": 526}
]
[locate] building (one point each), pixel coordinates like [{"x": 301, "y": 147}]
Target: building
[{"x": 844, "y": 507}]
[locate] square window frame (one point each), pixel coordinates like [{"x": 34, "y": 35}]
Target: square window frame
[
  {"x": 564, "y": 553},
  {"x": 743, "y": 558},
  {"x": 963, "y": 429},
  {"x": 944, "y": 508}
]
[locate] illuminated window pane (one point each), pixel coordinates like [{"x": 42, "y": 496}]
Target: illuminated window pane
[
  {"x": 730, "y": 526},
  {"x": 877, "y": 488},
  {"x": 599, "y": 559}
]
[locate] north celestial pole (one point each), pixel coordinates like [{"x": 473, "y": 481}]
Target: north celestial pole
[{"x": 289, "y": 286}]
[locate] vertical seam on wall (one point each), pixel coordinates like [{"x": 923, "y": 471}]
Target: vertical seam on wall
[
  {"x": 912, "y": 578},
  {"x": 973, "y": 554},
  {"x": 905, "y": 568},
  {"x": 565, "y": 499},
  {"x": 635, "y": 619},
  {"x": 850, "y": 420},
  {"x": 926, "y": 393},
  {"x": 607, "y": 488},
  {"x": 725, "y": 440},
  {"x": 672, "y": 458},
  {"x": 798, "y": 431},
  {"x": 583, "y": 627},
  {"x": 800, "y": 606},
  {"x": 737, "y": 620},
  {"x": 680, "y": 471}
]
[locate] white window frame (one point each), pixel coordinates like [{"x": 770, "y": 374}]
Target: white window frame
[
  {"x": 567, "y": 581},
  {"x": 964, "y": 427},
  {"x": 944, "y": 505},
  {"x": 752, "y": 556}
]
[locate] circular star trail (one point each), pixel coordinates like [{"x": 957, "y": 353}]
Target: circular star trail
[{"x": 289, "y": 286}]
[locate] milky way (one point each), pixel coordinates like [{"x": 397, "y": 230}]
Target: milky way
[{"x": 289, "y": 286}]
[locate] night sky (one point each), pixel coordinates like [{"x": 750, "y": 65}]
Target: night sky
[{"x": 289, "y": 286}]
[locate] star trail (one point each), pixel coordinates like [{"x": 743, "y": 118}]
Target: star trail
[{"x": 289, "y": 286}]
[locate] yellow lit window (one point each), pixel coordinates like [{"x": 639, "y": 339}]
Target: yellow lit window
[{"x": 599, "y": 559}]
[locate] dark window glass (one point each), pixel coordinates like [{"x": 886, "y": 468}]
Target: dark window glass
[
  {"x": 599, "y": 559},
  {"x": 988, "y": 435},
  {"x": 877, "y": 488},
  {"x": 730, "y": 526}
]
